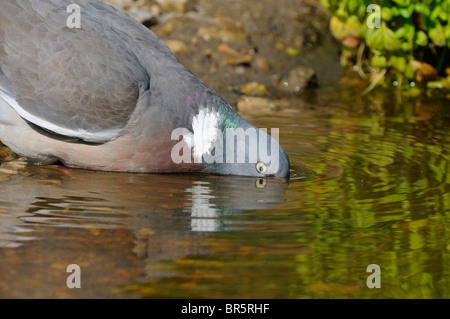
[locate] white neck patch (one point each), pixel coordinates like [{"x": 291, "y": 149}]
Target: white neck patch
[{"x": 205, "y": 131}]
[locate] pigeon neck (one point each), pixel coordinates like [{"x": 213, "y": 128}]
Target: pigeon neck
[{"x": 215, "y": 110}]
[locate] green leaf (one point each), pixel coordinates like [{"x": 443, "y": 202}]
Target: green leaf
[
  {"x": 446, "y": 6},
  {"x": 400, "y": 32},
  {"x": 403, "y": 3},
  {"x": 447, "y": 34},
  {"x": 407, "y": 46},
  {"x": 361, "y": 13},
  {"x": 409, "y": 73},
  {"x": 422, "y": 9},
  {"x": 406, "y": 32},
  {"x": 341, "y": 13},
  {"x": 382, "y": 38},
  {"x": 420, "y": 38},
  {"x": 444, "y": 16},
  {"x": 386, "y": 14},
  {"x": 291, "y": 51},
  {"x": 435, "y": 13},
  {"x": 398, "y": 63},
  {"x": 353, "y": 26},
  {"x": 406, "y": 12},
  {"x": 325, "y": 3},
  {"x": 410, "y": 30},
  {"x": 437, "y": 35},
  {"x": 395, "y": 11},
  {"x": 352, "y": 6},
  {"x": 378, "y": 61},
  {"x": 337, "y": 28}
]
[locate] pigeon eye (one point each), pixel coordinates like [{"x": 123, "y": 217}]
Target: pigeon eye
[
  {"x": 260, "y": 183},
  {"x": 261, "y": 167}
]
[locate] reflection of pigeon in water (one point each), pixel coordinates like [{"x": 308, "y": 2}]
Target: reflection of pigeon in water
[
  {"x": 204, "y": 214},
  {"x": 109, "y": 95},
  {"x": 157, "y": 202},
  {"x": 213, "y": 204}
]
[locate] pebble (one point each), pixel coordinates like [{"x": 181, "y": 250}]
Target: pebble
[
  {"x": 177, "y": 46},
  {"x": 155, "y": 10},
  {"x": 168, "y": 22},
  {"x": 252, "y": 104},
  {"x": 263, "y": 64},
  {"x": 423, "y": 71},
  {"x": 173, "y": 5},
  {"x": 255, "y": 89},
  {"x": 208, "y": 53},
  {"x": 145, "y": 17},
  {"x": 240, "y": 70},
  {"x": 234, "y": 57},
  {"x": 298, "y": 79},
  {"x": 279, "y": 46}
]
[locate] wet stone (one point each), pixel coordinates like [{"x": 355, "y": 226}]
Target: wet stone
[
  {"x": 252, "y": 104},
  {"x": 255, "y": 89},
  {"x": 297, "y": 80}
]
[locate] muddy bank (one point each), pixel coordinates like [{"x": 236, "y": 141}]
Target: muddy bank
[{"x": 231, "y": 43}]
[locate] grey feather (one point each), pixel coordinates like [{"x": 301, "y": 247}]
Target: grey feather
[{"x": 83, "y": 83}]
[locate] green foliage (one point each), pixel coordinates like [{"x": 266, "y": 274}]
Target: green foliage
[
  {"x": 392, "y": 33},
  {"x": 382, "y": 39}
]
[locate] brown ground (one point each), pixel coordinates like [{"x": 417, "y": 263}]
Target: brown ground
[{"x": 229, "y": 43}]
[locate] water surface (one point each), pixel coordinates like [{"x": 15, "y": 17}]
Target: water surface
[{"x": 370, "y": 185}]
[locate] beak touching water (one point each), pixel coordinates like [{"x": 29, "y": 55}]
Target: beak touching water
[{"x": 247, "y": 151}]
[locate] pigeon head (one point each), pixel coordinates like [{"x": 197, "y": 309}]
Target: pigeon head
[{"x": 223, "y": 142}]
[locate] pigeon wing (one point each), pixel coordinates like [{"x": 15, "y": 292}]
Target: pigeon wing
[{"x": 77, "y": 82}]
